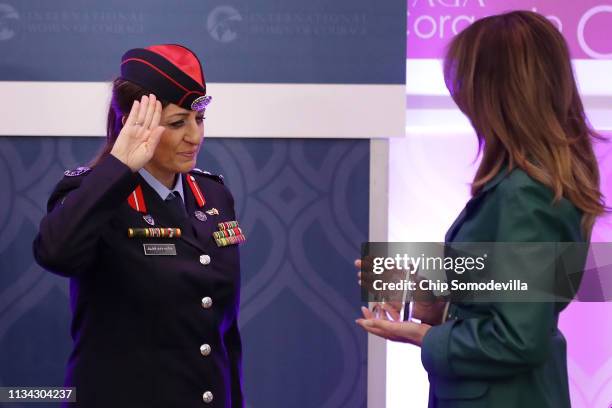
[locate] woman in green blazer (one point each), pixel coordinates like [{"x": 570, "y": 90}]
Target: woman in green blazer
[{"x": 538, "y": 181}]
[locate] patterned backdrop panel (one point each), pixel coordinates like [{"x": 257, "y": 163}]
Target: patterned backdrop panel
[{"x": 304, "y": 207}]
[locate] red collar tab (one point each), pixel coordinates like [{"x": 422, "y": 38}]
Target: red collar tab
[
  {"x": 195, "y": 189},
  {"x": 136, "y": 200}
]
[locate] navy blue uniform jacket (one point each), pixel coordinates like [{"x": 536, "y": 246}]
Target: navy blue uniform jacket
[{"x": 140, "y": 322}]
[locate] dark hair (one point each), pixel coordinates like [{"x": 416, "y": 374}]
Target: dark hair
[
  {"x": 124, "y": 93},
  {"x": 511, "y": 75}
]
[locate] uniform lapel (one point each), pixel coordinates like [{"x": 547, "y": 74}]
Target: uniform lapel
[
  {"x": 202, "y": 229},
  {"x": 156, "y": 207},
  {"x": 164, "y": 218}
]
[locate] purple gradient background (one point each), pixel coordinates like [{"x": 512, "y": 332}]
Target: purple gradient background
[
  {"x": 429, "y": 176},
  {"x": 588, "y": 326}
]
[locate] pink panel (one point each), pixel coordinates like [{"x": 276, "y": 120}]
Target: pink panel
[
  {"x": 588, "y": 326},
  {"x": 586, "y": 24}
]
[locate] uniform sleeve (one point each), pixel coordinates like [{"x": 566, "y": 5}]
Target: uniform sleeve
[
  {"x": 233, "y": 341},
  {"x": 233, "y": 344},
  {"x": 512, "y": 337},
  {"x": 77, "y": 212}
]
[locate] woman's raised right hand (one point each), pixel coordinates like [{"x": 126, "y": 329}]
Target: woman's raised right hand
[{"x": 140, "y": 134}]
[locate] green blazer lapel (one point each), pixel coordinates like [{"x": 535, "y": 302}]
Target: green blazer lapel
[{"x": 450, "y": 233}]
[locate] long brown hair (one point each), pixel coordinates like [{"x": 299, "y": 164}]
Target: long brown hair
[
  {"x": 511, "y": 75},
  {"x": 124, "y": 93}
]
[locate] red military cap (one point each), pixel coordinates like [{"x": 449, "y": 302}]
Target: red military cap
[{"x": 170, "y": 71}]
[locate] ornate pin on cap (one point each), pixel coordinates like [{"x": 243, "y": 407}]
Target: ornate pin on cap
[
  {"x": 76, "y": 172},
  {"x": 200, "y": 103}
]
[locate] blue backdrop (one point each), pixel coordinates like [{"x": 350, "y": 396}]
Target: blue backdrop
[{"x": 276, "y": 41}]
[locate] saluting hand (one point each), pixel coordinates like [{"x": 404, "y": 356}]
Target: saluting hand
[{"x": 140, "y": 134}]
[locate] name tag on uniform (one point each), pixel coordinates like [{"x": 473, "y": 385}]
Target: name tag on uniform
[{"x": 159, "y": 249}]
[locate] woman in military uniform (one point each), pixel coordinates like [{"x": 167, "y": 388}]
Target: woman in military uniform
[
  {"x": 538, "y": 181},
  {"x": 150, "y": 246}
]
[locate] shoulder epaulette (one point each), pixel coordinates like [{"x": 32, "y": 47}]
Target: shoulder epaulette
[
  {"x": 76, "y": 172},
  {"x": 217, "y": 178}
]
